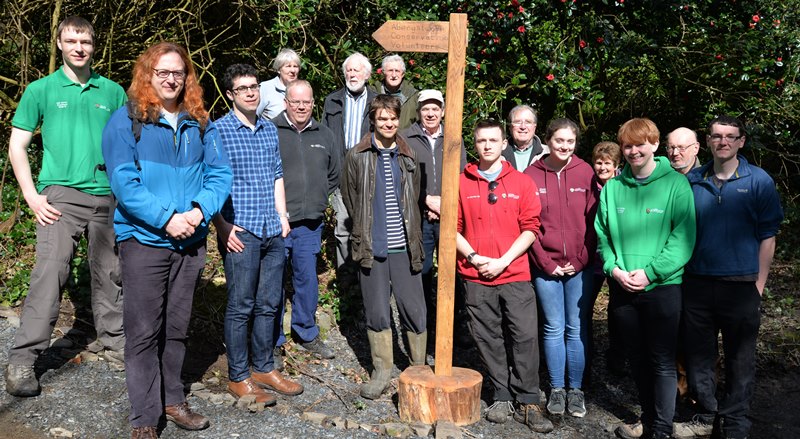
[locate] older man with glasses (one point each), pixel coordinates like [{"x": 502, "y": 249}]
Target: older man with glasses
[
  {"x": 310, "y": 156},
  {"x": 682, "y": 148},
  {"x": 526, "y": 147}
]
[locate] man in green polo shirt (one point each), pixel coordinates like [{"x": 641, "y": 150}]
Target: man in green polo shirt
[{"x": 71, "y": 198}]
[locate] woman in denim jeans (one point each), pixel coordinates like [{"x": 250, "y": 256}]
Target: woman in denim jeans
[{"x": 561, "y": 257}]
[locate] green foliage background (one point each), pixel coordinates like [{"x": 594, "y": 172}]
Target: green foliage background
[{"x": 598, "y": 62}]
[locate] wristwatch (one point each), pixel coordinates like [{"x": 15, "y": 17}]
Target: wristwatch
[{"x": 470, "y": 256}]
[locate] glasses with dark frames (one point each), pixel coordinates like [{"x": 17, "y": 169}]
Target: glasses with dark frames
[{"x": 492, "y": 196}]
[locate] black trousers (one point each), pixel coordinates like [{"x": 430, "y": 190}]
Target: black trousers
[
  {"x": 648, "y": 324},
  {"x": 506, "y": 309},
  {"x": 710, "y": 306}
]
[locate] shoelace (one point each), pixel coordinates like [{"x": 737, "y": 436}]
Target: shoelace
[
  {"x": 508, "y": 404},
  {"x": 26, "y": 372}
]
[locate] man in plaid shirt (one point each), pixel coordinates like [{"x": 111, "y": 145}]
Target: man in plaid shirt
[{"x": 250, "y": 233}]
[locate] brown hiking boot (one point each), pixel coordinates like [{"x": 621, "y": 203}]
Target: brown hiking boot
[
  {"x": 275, "y": 381},
  {"x": 144, "y": 433},
  {"x": 531, "y": 415},
  {"x": 183, "y": 416}
]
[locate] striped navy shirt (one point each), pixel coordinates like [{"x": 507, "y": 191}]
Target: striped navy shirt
[
  {"x": 354, "y": 107},
  {"x": 256, "y": 164},
  {"x": 395, "y": 231}
]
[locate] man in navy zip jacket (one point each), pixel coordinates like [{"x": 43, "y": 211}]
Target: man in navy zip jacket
[{"x": 737, "y": 204}]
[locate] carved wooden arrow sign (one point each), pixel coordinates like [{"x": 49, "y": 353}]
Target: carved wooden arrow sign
[{"x": 413, "y": 36}]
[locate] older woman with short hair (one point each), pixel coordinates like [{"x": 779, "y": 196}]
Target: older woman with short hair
[{"x": 287, "y": 64}]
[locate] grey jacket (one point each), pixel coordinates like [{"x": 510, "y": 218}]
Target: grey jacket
[{"x": 358, "y": 189}]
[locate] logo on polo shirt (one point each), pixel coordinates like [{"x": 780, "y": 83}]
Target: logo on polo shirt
[
  {"x": 620, "y": 210},
  {"x": 102, "y": 107},
  {"x": 316, "y": 145},
  {"x": 654, "y": 210},
  {"x": 742, "y": 190},
  {"x": 61, "y": 104},
  {"x": 543, "y": 190},
  {"x": 577, "y": 189}
]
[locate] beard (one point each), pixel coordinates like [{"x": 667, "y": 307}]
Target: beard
[{"x": 358, "y": 87}]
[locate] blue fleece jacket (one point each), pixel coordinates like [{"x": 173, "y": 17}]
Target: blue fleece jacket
[
  {"x": 732, "y": 220},
  {"x": 176, "y": 171}
]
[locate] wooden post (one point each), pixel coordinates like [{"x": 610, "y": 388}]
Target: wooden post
[
  {"x": 450, "y": 394},
  {"x": 456, "y": 62}
]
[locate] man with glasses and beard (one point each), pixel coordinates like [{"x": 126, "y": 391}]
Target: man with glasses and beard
[{"x": 498, "y": 219}]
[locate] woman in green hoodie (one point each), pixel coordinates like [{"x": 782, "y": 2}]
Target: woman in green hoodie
[{"x": 646, "y": 232}]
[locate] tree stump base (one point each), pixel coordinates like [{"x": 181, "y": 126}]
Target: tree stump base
[{"x": 426, "y": 397}]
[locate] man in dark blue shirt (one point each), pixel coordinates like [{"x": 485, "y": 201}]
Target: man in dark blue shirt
[{"x": 738, "y": 216}]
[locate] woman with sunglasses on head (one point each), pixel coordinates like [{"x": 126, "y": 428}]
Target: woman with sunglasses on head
[{"x": 562, "y": 274}]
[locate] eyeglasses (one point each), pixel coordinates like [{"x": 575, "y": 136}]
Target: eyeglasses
[
  {"x": 244, "y": 88},
  {"x": 295, "y": 104},
  {"x": 164, "y": 74},
  {"x": 716, "y": 138},
  {"x": 671, "y": 148},
  {"x": 519, "y": 123},
  {"x": 492, "y": 196}
]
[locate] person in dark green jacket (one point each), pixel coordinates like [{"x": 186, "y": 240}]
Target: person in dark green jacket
[{"x": 646, "y": 232}]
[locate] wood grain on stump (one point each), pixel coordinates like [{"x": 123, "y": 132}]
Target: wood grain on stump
[{"x": 426, "y": 397}]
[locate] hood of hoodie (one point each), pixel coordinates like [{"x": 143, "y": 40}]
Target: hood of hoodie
[{"x": 662, "y": 168}]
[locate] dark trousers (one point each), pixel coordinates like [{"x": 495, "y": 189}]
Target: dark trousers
[
  {"x": 393, "y": 275},
  {"x": 302, "y": 247},
  {"x": 159, "y": 286},
  {"x": 254, "y": 277},
  {"x": 511, "y": 309},
  {"x": 710, "y": 306},
  {"x": 81, "y": 214},
  {"x": 430, "y": 240},
  {"x": 648, "y": 324}
]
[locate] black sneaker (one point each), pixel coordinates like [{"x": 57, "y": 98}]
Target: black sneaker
[
  {"x": 21, "y": 381},
  {"x": 318, "y": 348},
  {"x": 576, "y": 405},
  {"x": 558, "y": 401}
]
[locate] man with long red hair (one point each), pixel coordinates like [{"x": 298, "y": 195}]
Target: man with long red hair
[{"x": 170, "y": 175}]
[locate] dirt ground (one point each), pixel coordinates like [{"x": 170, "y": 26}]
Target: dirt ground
[{"x": 611, "y": 398}]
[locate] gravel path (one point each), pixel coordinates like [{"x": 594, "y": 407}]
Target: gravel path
[{"x": 89, "y": 400}]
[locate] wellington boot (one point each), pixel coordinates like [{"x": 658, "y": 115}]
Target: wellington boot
[
  {"x": 416, "y": 347},
  {"x": 380, "y": 345}
]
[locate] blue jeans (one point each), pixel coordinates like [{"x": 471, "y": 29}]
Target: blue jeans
[
  {"x": 566, "y": 306},
  {"x": 302, "y": 247},
  {"x": 254, "y": 279}
]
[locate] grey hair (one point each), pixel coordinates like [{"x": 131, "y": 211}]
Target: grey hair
[
  {"x": 359, "y": 58},
  {"x": 393, "y": 58},
  {"x": 519, "y": 108},
  {"x": 285, "y": 56}
]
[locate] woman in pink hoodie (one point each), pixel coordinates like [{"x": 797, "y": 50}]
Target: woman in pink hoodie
[{"x": 561, "y": 259}]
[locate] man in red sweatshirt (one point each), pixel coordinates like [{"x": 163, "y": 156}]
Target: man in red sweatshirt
[{"x": 498, "y": 219}]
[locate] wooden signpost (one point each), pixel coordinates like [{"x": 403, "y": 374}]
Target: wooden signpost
[{"x": 446, "y": 393}]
